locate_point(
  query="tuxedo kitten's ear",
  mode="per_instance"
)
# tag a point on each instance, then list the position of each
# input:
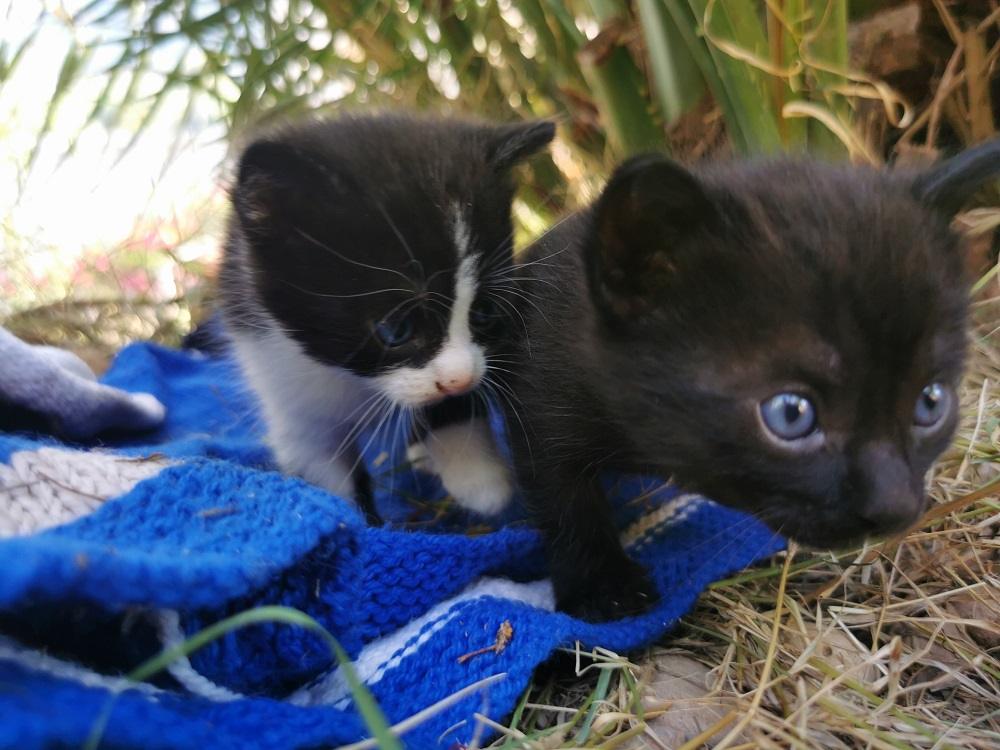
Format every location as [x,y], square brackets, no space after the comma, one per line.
[948,185]
[276,183]
[648,207]
[510,144]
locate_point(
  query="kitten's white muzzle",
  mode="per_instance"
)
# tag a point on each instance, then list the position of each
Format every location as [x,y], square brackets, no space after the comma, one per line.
[454,371]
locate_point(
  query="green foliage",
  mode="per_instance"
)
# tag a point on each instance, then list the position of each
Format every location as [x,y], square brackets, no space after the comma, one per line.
[617,74]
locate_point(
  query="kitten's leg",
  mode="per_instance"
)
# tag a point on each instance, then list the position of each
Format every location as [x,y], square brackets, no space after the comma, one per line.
[305,458]
[314,461]
[594,579]
[458,446]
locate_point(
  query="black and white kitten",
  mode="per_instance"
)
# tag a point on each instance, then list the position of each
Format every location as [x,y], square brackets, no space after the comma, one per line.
[785,337]
[366,273]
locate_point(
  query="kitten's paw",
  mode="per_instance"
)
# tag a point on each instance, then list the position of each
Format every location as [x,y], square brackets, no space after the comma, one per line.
[471,470]
[621,589]
[483,488]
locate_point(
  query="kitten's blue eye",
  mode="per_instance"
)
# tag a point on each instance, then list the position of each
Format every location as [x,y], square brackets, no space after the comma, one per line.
[395,331]
[933,404]
[789,416]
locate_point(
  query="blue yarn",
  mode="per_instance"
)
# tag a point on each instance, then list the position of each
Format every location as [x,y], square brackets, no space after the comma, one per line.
[220,531]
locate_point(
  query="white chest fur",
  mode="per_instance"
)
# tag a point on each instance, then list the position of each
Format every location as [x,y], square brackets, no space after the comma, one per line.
[311,409]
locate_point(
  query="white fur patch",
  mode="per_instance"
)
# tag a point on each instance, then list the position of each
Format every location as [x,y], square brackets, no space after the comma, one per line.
[40,662]
[471,469]
[463,235]
[310,408]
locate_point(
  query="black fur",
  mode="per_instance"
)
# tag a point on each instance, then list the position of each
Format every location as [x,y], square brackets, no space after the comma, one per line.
[667,312]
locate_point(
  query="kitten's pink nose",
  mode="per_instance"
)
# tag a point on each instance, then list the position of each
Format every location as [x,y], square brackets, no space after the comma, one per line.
[455,385]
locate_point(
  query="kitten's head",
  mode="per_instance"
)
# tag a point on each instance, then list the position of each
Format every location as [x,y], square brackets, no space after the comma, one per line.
[787,337]
[382,245]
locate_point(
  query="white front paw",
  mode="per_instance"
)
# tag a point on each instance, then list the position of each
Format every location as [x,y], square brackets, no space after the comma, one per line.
[483,487]
[471,469]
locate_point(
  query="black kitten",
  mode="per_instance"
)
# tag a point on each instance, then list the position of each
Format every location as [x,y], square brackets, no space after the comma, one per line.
[785,337]
[366,274]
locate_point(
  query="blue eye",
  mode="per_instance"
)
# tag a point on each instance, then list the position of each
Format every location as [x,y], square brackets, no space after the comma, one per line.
[789,416]
[394,332]
[933,404]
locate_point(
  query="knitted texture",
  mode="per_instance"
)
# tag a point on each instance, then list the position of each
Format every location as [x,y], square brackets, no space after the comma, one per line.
[118,549]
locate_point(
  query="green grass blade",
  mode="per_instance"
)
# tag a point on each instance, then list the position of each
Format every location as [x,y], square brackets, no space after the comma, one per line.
[740,24]
[600,693]
[370,712]
[687,28]
[784,34]
[677,80]
[618,86]
[827,44]
[7,67]
[73,65]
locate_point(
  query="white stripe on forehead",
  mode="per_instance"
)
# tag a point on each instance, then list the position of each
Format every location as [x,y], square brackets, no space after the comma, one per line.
[465,292]
[463,235]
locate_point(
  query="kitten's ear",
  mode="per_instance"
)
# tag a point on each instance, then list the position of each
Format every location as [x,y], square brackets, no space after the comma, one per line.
[509,144]
[948,185]
[648,207]
[275,184]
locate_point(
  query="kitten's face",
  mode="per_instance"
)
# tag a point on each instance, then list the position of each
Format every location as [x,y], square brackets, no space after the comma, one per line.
[801,335]
[383,246]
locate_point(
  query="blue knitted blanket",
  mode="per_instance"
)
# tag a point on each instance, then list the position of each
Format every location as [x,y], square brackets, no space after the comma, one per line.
[119,546]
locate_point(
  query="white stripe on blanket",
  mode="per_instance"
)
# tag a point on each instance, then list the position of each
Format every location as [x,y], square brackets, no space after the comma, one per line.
[381,655]
[52,486]
[388,652]
[39,662]
[643,531]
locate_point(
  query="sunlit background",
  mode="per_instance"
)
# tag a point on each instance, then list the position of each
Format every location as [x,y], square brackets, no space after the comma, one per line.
[117,116]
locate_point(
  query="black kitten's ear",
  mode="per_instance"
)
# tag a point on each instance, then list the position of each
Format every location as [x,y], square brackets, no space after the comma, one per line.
[648,207]
[948,185]
[275,184]
[510,144]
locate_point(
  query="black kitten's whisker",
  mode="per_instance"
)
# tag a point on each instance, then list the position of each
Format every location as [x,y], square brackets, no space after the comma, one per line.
[346,296]
[524,323]
[490,386]
[538,261]
[400,237]
[531,302]
[376,433]
[531,278]
[501,254]
[364,403]
[351,261]
[347,441]
[492,366]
